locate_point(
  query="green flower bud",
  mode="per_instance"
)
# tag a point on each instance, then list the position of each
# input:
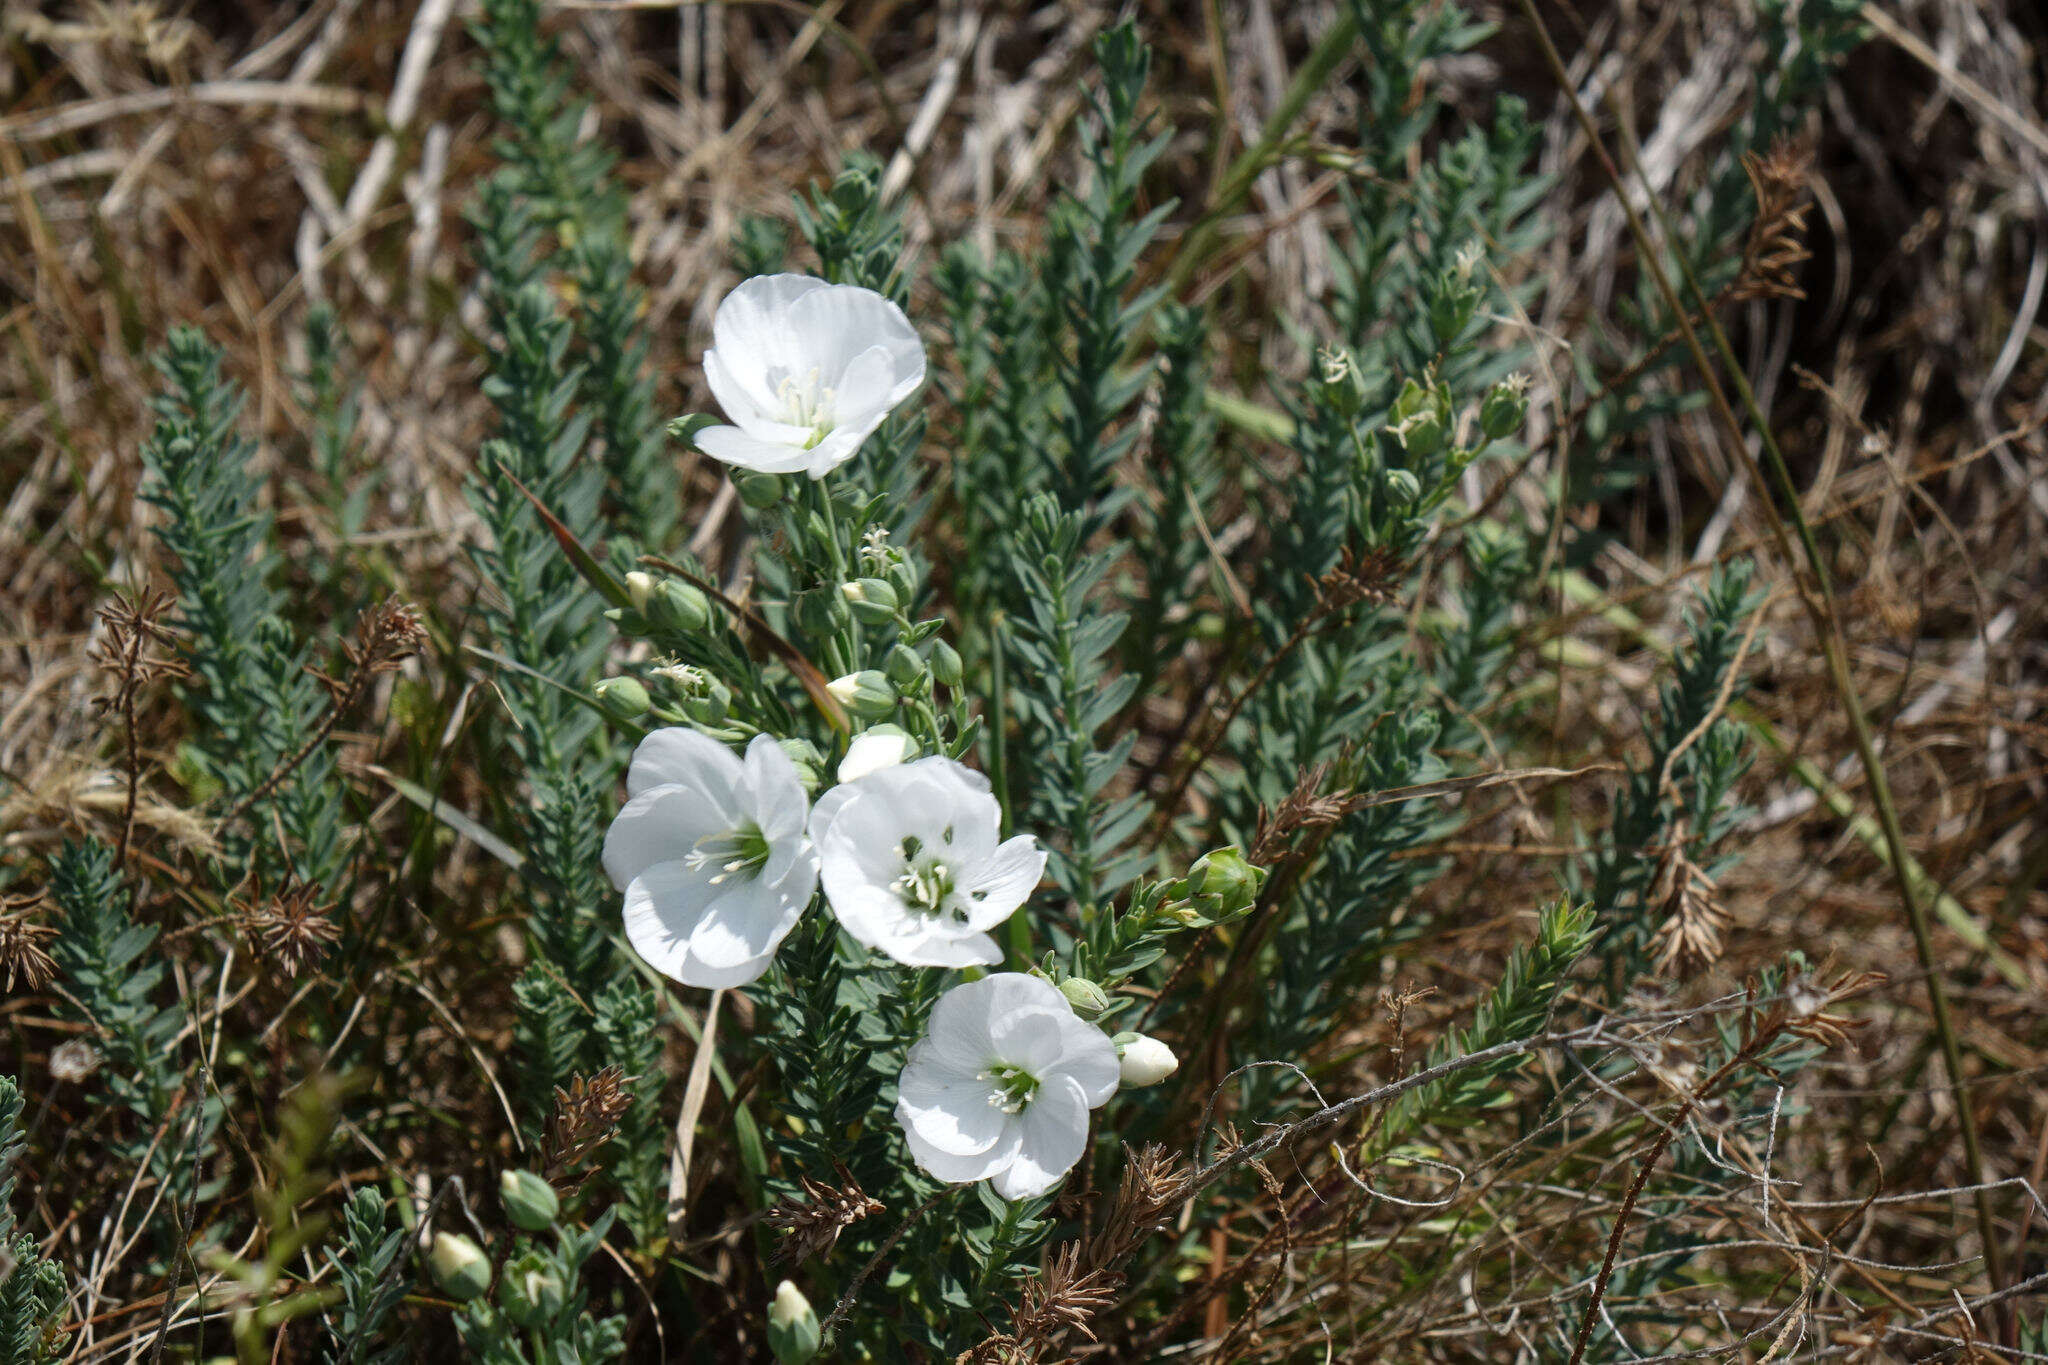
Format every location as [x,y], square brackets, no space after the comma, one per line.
[1403,486]
[872,600]
[946,665]
[1088,999]
[793,1333]
[531,1291]
[759,490]
[1227,881]
[905,666]
[804,756]
[459,1265]
[681,607]
[529,1201]
[1505,406]
[866,693]
[622,695]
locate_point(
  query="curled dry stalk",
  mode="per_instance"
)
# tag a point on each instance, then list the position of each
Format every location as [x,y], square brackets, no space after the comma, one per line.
[387,635]
[1802,1013]
[132,652]
[1816,593]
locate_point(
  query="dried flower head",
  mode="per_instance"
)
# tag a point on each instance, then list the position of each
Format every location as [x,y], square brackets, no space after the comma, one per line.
[586,1115]
[1808,1010]
[1358,578]
[1775,248]
[1690,939]
[386,636]
[810,1223]
[21,944]
[132,647]
[291,927]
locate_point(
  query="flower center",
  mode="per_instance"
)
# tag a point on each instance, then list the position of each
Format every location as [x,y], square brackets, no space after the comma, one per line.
[1014,1087]
[807,402]
[740,852]
[926,884]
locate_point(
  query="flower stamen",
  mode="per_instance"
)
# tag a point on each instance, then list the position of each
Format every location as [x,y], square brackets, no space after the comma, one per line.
[741,852]
[1014,1087]
[808,403]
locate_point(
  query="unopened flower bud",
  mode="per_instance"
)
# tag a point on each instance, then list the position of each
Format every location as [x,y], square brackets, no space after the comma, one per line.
[1505,405]
[905,665]
[1143,1060]
[529,1201]
[1402,486]
[531,1291]
[622,695]
[1224,877]
[872,600]
[946,665]
[459,1265]
[760,490]
[680,607]
[866,693]
[882,747]
[793,1333]
[1088,999]
[640,588]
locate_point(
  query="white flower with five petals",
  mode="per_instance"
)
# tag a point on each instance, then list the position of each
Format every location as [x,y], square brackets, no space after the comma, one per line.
[1000,1086]
[805,370]
[911,862]
[713,856]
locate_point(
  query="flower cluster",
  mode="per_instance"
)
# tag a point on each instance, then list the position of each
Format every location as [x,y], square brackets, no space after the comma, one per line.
[719,857]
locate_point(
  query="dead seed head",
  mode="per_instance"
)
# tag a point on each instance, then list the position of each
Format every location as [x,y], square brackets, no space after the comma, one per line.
[21,944]
[586,1115]
[810,1223]
[292,928]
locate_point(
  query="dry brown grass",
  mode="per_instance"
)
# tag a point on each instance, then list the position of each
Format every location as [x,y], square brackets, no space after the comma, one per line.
[225,166]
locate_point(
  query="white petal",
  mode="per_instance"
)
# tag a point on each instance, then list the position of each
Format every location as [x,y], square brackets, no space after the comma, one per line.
[663,905]
[680,755]
[698,973]
[944,950]
[838,323]
[748,921]
[996,886]
[744,403]
[961,1170]
[753,332]
[656,826]
[874,750]
[1089,1058]
[862,396]
[732,446]
[771,791]
[955,1112]
[841,444]
[828,806]
[1055,1134]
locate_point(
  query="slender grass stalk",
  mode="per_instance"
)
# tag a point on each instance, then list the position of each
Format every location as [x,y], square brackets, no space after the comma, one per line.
[1819,601]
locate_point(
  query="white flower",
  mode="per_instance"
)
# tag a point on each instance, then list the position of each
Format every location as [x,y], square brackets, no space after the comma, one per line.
[872,750]
[911,865]
[1145,1061]
[712,855]
[805,370]
[1000,1086]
